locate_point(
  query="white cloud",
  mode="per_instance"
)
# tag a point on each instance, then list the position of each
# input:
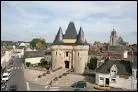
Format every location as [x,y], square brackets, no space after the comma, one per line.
[45,17]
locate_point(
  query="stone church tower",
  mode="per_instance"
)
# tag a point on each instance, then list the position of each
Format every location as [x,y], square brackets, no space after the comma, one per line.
[70,50]
[113,38]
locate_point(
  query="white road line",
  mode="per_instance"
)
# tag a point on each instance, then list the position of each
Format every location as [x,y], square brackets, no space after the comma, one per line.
[12,68]
[15,67]
[28,88]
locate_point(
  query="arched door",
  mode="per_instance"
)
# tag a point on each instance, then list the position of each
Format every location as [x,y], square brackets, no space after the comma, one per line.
[66,64]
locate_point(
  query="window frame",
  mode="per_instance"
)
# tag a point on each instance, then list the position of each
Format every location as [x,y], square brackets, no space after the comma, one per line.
[101,78]
[67,54]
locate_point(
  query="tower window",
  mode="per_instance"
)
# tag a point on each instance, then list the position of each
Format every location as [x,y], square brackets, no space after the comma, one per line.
[67,54]
[56,53]
[78,53]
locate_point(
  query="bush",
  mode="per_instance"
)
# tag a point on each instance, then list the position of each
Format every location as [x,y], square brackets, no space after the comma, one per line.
[28,64]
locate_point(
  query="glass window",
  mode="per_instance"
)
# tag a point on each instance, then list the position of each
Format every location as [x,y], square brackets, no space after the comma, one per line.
[113,80]
[101,78]
[66,54]
[78,53]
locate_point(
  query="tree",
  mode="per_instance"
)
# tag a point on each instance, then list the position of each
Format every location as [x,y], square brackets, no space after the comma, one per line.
[38,44]
[93,63]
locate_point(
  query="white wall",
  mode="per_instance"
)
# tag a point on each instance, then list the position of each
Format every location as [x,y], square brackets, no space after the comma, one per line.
[35,60]
[120,82]
[6,57]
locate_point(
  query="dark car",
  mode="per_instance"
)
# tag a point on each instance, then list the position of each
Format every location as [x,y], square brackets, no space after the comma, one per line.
[4,87]
[13,88]
[79,86]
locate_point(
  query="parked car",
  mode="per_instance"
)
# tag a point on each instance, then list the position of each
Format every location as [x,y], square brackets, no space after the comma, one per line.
[5,76]
[13,88]
[9,69]
[4,87]
[79,86]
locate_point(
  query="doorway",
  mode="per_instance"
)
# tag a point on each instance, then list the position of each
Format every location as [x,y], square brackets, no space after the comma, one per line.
[66,64]
[107,81]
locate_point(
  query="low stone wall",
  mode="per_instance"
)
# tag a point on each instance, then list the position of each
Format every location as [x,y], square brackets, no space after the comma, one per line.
[36,68]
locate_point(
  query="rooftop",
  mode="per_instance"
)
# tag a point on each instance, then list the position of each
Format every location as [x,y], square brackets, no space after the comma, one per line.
[123,67]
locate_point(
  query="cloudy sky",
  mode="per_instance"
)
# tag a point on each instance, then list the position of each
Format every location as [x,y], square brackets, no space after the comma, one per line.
[24,20]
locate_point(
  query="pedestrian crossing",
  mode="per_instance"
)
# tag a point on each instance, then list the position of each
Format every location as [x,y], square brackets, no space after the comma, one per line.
[14,68]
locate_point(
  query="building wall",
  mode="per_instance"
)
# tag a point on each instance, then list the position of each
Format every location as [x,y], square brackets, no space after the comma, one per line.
[69,40]
[134,79]
[6,57]
[35,60]
[59,56]
[120,82]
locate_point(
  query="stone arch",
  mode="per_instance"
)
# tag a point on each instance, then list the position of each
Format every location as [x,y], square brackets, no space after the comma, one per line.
[66,64]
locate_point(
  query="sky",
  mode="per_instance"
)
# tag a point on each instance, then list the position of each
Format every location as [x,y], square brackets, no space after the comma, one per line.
[25,20]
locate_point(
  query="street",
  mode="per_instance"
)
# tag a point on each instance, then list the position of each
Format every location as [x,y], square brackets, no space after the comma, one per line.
[17,75]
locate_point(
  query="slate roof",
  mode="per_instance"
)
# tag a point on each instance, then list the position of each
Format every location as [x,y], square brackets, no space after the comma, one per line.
[33,54]
[59,37]
[81,38]
[47,53]
[71,32]
[123,67]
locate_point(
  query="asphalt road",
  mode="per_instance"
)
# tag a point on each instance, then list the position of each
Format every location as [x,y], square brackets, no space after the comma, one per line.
[17,75]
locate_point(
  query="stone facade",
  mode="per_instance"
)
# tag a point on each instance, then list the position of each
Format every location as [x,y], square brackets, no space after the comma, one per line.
[70,51]
[77,57]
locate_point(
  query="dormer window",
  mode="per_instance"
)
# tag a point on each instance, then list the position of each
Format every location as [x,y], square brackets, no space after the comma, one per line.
[113,71]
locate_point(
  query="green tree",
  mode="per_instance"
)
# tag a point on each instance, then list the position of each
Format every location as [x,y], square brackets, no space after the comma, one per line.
[38,44]
[93,63]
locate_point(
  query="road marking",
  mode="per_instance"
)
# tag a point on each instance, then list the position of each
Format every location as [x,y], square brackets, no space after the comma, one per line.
[28,88]
[12,68]
[15,67]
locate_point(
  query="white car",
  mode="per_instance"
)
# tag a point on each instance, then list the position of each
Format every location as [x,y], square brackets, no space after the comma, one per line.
[9,70]
[5,76]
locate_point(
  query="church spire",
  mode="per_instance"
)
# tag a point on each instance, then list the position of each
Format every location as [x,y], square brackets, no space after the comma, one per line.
[59,37]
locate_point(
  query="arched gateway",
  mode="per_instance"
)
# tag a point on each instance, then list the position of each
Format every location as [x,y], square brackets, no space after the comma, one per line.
[66,64]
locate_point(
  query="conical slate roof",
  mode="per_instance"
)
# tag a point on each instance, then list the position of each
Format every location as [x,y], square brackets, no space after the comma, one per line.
[81,37]
[71,32]
[59,37]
